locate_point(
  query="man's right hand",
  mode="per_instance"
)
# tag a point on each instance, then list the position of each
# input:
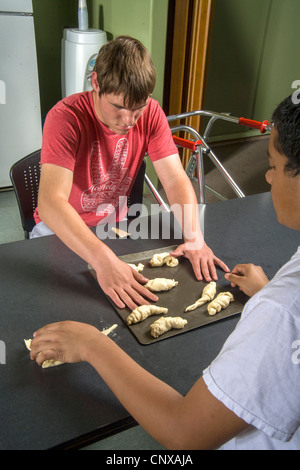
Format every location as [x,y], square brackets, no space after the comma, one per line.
[123,284]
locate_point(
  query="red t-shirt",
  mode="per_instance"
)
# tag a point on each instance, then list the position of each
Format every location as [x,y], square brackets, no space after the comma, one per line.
[104,164]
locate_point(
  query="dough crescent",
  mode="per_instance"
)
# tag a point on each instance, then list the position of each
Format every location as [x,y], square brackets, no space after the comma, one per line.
[144,311]
[164,324]
[208,294]
[52,362]
[138,267]
[107,331]
[220,302]
[160,283]
[163,258]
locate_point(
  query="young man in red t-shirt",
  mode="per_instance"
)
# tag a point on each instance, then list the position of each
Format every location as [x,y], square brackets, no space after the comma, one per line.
[93,145]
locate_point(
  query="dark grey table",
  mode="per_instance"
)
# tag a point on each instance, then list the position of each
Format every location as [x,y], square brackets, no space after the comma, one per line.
[41,281]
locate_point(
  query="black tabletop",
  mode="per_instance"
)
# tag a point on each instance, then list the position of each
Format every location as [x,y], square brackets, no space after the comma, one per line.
[42,281]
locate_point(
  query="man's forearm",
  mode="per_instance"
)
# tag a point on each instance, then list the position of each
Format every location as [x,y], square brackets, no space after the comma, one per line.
[117,279]
[183,204]
[67,224]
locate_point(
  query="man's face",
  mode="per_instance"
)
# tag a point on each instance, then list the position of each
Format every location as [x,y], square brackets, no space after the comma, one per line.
[285,188]
[112,113]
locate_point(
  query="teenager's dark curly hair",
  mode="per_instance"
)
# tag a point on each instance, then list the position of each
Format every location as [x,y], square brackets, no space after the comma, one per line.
[286,119]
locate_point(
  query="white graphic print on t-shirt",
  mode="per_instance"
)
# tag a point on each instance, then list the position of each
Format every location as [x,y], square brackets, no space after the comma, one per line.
[107,185]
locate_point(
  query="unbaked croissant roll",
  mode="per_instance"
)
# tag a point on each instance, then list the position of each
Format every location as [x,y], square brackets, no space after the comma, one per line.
[164,324]
[163,258]
[220,302]
[138,267]
[144,311]
[208,294]
[160,283]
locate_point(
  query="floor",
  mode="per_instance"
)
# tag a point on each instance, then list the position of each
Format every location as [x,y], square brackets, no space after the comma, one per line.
[10,222]
[245,161]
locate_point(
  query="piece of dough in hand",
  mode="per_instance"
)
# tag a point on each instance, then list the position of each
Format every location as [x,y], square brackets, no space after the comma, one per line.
[208,294]
[144,311]
[164,324]
[48,362]
[160,283]
[220,302]
[163,258]
[53,362]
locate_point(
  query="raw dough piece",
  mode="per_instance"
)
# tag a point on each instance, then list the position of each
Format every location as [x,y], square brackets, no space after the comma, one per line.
[160,283]
[164,324]
[163,258]
[221,301]
[120,233]
[53,362]
[48,362]
[138,267]
[109,330]
[208,294]
[144,311]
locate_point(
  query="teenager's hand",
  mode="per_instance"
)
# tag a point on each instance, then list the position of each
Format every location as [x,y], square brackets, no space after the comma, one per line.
[64,341]
[248,277]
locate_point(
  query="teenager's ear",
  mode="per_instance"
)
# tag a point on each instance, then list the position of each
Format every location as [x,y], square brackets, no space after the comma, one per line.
[94,82]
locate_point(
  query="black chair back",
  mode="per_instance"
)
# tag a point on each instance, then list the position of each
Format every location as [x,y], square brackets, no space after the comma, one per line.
[25,178]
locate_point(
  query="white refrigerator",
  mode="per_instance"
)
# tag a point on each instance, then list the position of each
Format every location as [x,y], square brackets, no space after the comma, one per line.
[20,112]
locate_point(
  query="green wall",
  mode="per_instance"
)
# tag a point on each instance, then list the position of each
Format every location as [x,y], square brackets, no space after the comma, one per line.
[50,18]
[280,64]
[254,60]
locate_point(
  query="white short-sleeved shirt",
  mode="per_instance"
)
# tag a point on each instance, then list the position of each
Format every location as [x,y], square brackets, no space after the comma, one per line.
[257,373]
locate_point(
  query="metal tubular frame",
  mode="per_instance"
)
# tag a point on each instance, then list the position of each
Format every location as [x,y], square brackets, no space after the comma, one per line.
[199,148]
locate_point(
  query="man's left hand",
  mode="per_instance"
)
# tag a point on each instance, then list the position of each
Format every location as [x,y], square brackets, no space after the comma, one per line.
[203,261]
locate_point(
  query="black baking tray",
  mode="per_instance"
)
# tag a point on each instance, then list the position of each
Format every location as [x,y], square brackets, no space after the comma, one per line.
[177,299]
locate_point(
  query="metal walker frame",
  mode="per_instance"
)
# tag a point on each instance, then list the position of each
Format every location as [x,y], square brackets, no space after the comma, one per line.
[199,148]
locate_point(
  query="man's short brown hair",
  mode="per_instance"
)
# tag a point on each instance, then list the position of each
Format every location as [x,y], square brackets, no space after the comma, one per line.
[124,66]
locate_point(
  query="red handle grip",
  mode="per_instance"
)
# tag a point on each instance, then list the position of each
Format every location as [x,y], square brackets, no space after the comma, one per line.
[188,144]
[262,126]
